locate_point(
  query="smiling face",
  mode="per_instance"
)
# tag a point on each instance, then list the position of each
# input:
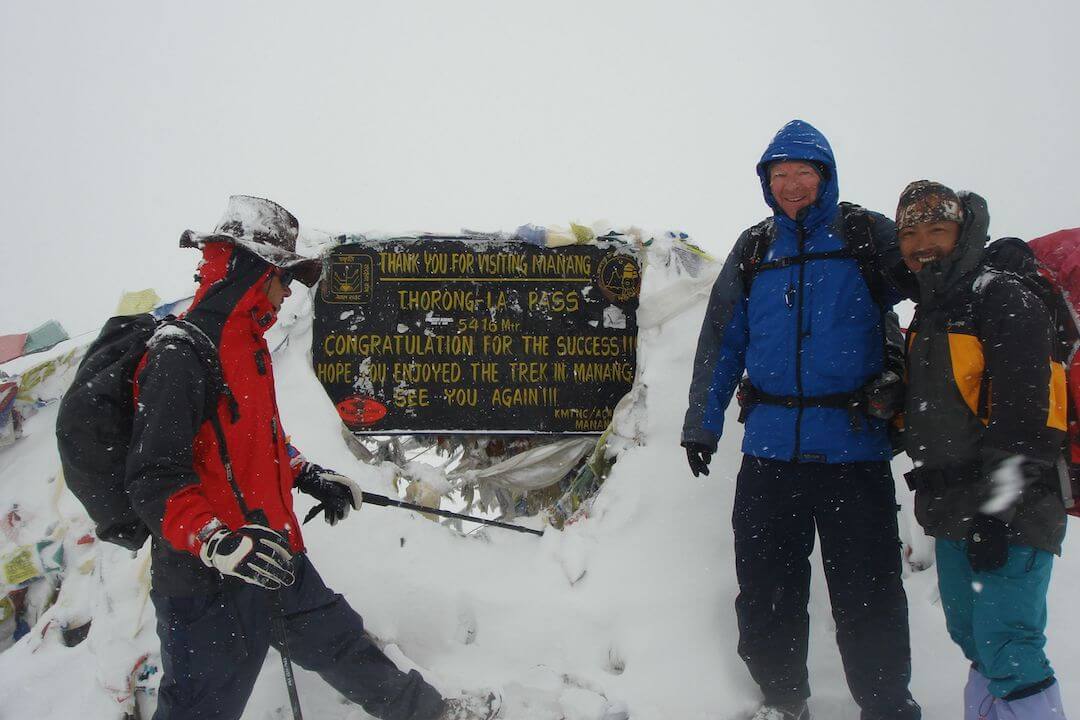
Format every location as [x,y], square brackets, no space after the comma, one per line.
[794,184]
[924,243]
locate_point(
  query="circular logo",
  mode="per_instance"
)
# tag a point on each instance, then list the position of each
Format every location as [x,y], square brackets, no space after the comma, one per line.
[619,277]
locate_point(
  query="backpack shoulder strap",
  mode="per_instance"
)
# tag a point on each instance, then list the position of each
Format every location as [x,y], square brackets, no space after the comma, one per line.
[207,353]
[757,245]
[856,227]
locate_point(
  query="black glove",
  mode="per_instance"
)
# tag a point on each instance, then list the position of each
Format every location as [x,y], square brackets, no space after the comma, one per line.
[987,543]
[336,493]
[883,396]
[698,455]
[256,554]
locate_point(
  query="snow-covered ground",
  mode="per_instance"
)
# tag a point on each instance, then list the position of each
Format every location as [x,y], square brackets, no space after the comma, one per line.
[634,603]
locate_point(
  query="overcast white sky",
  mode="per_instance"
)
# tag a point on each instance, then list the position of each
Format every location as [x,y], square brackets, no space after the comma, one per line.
[123,123]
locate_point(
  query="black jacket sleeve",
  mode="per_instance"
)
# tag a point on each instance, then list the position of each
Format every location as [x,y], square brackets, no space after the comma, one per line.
[168,413]
[1014,327]
[899,280]
[727,293]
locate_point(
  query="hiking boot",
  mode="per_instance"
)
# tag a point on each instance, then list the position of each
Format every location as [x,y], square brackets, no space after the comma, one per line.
[471,706]
[793,711]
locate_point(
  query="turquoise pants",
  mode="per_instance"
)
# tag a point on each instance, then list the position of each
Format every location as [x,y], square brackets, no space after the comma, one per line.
[998,618]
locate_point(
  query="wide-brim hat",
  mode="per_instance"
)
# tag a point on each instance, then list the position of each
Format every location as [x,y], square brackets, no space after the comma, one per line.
[264,228]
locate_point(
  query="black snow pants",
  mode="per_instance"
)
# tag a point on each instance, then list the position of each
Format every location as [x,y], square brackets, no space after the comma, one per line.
[853,507]
[212,647]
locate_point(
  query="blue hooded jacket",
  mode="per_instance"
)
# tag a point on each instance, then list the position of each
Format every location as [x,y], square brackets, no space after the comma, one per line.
[807,330]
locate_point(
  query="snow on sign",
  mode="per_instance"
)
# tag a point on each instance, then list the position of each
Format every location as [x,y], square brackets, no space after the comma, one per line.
[454,335]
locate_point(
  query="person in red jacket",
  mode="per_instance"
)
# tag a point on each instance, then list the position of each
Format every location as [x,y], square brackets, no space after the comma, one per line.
[211,473]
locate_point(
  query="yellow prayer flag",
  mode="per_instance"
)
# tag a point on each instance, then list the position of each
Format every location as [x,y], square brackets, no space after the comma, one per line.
[19,566]
[138,301]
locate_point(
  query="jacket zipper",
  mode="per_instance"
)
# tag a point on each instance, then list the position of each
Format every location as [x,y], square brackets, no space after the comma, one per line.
[260,361]
[798,346]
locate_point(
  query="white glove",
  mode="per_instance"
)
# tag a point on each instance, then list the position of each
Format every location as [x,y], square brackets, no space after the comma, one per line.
[256,554]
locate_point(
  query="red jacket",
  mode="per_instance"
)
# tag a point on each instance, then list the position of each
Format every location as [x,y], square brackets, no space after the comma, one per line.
[176,475]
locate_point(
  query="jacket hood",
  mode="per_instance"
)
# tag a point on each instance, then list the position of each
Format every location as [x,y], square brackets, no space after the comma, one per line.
[230,284]
[938,280]
[799,140]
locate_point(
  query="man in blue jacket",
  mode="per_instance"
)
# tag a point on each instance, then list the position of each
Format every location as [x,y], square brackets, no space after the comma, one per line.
[799,308]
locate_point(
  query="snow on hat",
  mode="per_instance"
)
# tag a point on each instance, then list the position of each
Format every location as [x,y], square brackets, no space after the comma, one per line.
[266,229]
[926,201]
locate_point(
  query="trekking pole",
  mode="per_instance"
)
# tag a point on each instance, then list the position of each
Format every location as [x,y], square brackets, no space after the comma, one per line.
[258,516]
[286,659]
[382,500]
[277,615]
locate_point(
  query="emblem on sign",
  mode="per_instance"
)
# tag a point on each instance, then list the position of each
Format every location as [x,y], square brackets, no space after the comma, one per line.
[618,277]
[350,279]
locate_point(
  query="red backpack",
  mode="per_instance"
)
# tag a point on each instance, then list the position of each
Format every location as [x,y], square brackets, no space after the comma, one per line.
[1058,258]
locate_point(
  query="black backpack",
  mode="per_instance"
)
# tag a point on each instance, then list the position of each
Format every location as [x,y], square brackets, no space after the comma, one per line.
[93,427]
[1014,257]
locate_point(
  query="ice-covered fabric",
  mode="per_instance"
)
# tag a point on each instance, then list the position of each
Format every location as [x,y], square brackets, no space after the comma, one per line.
[536,468]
